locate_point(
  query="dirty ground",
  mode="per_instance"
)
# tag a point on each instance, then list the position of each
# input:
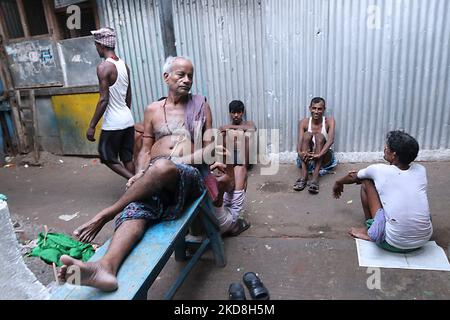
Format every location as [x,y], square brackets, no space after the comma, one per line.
[297,243]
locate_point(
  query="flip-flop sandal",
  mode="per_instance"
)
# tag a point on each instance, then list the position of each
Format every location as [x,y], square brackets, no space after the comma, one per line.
[236,292]
[242,225]
[255,286]
[300,184]
[313,188]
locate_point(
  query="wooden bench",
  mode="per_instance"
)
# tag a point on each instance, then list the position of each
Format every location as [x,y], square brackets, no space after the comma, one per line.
[149,256]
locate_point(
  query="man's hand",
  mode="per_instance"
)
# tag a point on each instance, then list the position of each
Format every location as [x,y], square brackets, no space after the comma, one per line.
[304,156]
[90,133]
[219,166]
[313,156]
[223,129]
[134,178]
[338,188]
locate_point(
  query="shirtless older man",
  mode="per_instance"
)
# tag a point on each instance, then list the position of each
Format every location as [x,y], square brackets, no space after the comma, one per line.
[169,175]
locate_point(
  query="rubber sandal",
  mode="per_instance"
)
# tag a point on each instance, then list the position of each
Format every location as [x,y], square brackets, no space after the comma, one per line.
[236,292]
[313,188]
[255,286]
[242,225]
[300,184]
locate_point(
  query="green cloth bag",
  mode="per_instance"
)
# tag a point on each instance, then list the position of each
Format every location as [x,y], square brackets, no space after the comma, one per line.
[51,247]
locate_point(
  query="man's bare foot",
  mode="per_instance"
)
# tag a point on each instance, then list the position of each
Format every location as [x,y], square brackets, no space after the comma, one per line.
[92,274]
[88,231]
[360,233]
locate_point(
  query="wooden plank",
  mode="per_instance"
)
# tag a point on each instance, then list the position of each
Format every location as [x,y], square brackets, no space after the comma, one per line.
[57,91]
[167,28]
[52,24]
[35,127]
[3,29]
[21,134]
[4,65]
[142,265]
[13,102]
[23,18]
[95,10]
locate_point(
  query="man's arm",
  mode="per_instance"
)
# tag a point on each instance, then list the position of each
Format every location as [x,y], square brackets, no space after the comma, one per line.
[330,139]
[103,78]
[350,178]
[247,126]
[301,131]
[128,97]
[148,139]
[198,156]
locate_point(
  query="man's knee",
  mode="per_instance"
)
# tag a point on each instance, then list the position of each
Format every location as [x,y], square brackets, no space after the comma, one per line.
[307,136]
[320,139]
[226,183]
[164,169]
[134,227]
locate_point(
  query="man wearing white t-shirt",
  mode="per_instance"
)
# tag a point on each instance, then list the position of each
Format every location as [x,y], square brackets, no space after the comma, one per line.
[117,136]
[394,197]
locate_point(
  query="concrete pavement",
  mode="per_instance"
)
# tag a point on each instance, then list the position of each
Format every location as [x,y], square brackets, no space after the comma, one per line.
[298,242]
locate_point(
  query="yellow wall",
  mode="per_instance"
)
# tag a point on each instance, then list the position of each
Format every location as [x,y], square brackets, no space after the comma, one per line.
[73,113]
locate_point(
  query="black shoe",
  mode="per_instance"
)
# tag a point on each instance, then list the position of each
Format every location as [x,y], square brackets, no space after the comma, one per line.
[236,292]
[256,288]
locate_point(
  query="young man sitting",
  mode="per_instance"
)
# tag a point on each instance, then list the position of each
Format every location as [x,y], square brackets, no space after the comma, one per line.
[237,137]
[315,137]
[394,197]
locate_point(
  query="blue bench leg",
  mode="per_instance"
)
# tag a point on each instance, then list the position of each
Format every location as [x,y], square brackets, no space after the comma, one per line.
[180,250]
[213,233]
[184,273]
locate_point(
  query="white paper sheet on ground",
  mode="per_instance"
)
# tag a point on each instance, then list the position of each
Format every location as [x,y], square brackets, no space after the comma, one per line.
[429,257]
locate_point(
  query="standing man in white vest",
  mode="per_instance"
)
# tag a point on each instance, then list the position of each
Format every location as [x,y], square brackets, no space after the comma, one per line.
[117,137]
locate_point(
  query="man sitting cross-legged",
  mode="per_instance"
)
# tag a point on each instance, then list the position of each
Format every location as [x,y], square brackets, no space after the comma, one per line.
[167,178]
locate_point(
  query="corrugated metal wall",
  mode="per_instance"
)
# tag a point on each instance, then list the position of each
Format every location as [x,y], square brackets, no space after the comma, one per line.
[391,73]
[380,64]
[139,43]
[224,40]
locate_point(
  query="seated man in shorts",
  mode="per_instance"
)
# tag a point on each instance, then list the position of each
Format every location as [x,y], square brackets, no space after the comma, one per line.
[237,135]
[315,138]
[394,197]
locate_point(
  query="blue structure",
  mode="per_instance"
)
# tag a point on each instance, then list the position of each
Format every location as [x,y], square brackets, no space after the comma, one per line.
[6,126]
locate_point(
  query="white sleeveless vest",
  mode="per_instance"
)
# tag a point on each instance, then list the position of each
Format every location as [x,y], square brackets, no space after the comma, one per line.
[117,115]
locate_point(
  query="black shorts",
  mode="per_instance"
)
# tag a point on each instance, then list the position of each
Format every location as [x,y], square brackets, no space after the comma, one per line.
[115,144]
